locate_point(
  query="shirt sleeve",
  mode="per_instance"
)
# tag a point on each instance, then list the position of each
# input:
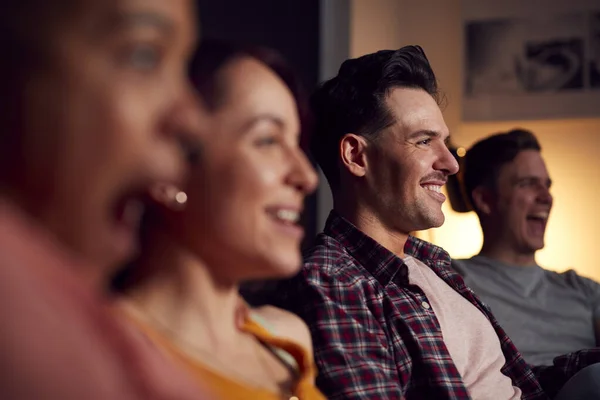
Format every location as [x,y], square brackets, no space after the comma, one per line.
[552,378]
[351,346]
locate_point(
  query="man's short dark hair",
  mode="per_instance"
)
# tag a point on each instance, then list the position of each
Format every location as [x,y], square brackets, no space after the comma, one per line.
[355,100]
[486,157]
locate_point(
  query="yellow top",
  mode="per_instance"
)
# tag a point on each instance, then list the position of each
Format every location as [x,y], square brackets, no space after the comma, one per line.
[227,388]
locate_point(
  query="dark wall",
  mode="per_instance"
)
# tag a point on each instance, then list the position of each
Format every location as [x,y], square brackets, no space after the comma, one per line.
[288,26]
[291,27]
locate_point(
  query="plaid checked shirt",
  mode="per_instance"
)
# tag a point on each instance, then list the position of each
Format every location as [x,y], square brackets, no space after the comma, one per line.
[372,337]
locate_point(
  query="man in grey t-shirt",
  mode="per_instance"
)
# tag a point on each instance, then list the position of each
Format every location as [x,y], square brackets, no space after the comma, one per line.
[545,313]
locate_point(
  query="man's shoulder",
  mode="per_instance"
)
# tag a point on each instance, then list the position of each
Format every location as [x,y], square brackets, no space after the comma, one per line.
[472,261]
[571,278]
[328,264]
[329,275]
[328,255]
[464,266]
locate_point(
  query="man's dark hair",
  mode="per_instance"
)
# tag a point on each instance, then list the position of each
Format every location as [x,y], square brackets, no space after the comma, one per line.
[355,100]
[485,158]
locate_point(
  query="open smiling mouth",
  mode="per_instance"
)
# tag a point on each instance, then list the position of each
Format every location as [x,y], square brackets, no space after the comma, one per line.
[435,191]
[537,221]
[128,211]
[125,219]
[287,216]
[288,220]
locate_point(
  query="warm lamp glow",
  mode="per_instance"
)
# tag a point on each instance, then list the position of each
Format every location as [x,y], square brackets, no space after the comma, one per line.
[460,235]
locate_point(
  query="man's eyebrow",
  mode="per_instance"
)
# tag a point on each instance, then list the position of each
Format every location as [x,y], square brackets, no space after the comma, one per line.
[424,132]
[144,19]
[429,134]
[524,178]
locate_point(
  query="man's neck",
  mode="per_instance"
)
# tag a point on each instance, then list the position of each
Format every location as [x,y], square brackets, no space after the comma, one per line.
[371,225]
[506,255]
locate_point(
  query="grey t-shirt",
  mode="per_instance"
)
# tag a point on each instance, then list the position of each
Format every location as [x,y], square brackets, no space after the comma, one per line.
[545,313]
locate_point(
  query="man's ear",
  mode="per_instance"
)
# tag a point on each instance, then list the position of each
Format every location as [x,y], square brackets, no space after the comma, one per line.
[483,199]
[353,154]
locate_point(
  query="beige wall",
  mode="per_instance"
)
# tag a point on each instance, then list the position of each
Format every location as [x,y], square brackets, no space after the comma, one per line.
[571,147]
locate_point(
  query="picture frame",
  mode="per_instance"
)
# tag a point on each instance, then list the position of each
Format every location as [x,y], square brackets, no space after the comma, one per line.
[531,60]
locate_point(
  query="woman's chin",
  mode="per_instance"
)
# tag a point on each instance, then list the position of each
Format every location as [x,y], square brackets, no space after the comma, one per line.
[282,267]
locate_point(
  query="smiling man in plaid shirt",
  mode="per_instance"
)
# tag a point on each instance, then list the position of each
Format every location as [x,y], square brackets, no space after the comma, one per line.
[389,317]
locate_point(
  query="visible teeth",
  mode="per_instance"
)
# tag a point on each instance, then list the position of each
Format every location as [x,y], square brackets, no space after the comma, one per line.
[433,188]
[288,215]
[541,215]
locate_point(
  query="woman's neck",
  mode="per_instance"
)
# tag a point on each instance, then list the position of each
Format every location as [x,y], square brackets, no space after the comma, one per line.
[185,298]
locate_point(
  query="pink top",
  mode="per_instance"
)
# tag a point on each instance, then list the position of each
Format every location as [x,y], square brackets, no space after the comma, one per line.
[60,339]
[468,335]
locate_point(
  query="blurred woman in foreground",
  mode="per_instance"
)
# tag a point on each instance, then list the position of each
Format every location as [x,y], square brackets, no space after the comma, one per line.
[93,109]
[237,219]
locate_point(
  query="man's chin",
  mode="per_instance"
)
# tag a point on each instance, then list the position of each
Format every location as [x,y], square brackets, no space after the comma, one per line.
[536,246]
[436,220]
[430,222]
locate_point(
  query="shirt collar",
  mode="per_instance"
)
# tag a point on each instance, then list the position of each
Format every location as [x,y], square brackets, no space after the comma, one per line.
[384,265]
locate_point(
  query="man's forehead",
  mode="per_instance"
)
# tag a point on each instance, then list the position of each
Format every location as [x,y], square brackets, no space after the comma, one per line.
[530,159]
[527,164]
[416,110]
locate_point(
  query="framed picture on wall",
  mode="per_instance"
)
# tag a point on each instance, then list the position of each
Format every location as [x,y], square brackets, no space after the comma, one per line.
[531,59]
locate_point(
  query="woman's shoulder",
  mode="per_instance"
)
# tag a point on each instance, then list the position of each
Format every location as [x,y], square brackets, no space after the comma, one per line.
[286,325]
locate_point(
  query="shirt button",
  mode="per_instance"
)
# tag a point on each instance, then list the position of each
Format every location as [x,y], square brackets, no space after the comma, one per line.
[425,305]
